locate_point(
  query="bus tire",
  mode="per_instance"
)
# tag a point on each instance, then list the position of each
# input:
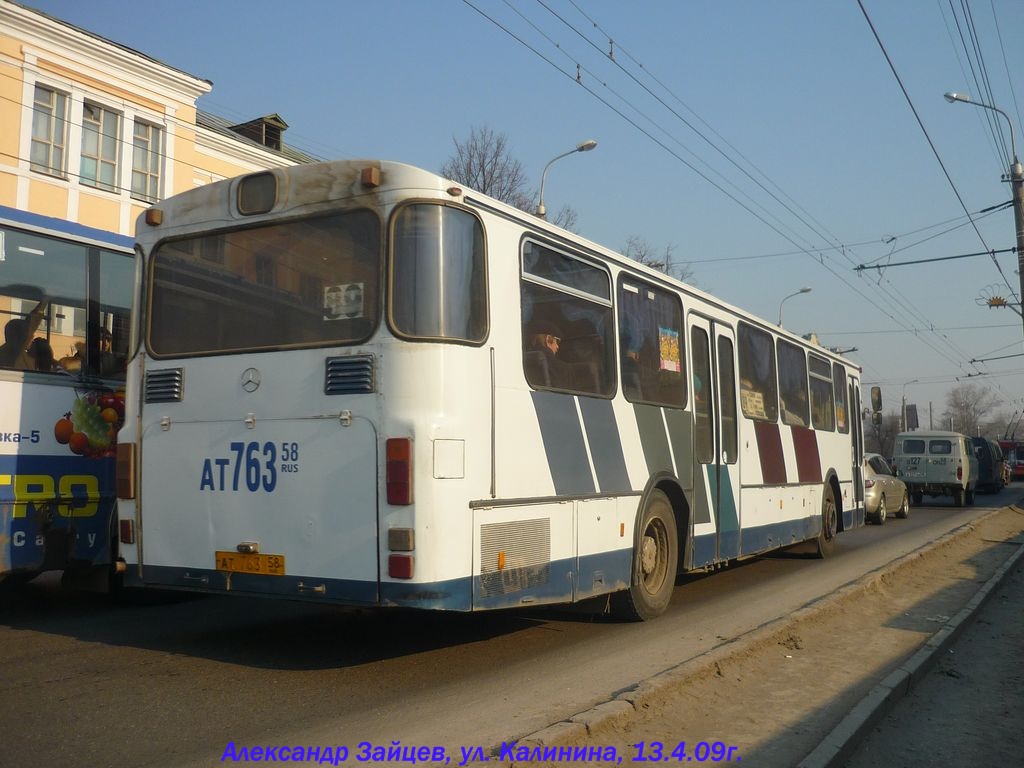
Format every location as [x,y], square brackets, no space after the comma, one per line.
[958,497]
[655,558]
[826,541]
[969,496]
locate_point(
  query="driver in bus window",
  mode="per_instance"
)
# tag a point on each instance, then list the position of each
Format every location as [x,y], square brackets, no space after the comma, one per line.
[18,334]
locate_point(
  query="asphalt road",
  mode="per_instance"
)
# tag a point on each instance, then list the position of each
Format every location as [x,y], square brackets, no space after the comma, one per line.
[171,680]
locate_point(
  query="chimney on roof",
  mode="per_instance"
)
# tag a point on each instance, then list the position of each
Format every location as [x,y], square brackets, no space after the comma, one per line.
[264,130]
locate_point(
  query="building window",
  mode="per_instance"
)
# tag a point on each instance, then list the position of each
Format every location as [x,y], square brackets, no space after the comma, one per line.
[146,163]
[99,147]
[49,131]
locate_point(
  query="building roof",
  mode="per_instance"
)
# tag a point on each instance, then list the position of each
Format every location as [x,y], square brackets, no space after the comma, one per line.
[224,127]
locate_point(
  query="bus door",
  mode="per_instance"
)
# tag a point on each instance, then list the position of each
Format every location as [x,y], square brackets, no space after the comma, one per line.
[715,446]
[857,441]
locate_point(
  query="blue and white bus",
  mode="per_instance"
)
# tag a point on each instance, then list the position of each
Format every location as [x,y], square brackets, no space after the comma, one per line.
[65,297]
[360,382]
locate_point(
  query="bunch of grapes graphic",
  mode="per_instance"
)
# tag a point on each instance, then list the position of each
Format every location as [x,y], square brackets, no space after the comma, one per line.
[90,427]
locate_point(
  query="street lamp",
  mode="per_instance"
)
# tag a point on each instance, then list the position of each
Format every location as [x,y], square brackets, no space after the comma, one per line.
[903,405]
[583,146]
[802,290]
[1016,182]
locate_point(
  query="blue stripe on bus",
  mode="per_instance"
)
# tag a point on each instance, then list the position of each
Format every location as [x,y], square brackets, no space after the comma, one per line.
[604,572]
[605,444]
[768,537]
[346,591]
[653,438]
[728,520]
[562,435]
[62,226]
[680,434]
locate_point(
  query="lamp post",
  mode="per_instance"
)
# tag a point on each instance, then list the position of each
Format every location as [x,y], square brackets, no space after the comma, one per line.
[802,290]
[583,146]
[1016,182]
[903,405]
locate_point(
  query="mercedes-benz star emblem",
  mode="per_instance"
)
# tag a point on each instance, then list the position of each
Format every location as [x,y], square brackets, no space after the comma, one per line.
[250,379]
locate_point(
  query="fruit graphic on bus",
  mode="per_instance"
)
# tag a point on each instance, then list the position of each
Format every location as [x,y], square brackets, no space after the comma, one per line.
[90,427]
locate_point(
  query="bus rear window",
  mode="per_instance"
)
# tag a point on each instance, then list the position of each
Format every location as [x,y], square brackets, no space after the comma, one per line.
[308,282]
[438,274]
[940,447]
[913,447]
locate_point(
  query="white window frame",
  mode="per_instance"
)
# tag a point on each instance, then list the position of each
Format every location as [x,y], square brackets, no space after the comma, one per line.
[149,152]
[58,130]
[100,157]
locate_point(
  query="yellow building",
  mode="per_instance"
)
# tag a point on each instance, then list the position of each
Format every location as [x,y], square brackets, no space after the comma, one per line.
[92,133]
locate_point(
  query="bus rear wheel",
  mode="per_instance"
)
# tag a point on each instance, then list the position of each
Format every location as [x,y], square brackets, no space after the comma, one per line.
[655,558]
[826,541]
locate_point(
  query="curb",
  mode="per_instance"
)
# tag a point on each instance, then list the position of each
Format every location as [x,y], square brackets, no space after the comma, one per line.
[839,745]
[839,742]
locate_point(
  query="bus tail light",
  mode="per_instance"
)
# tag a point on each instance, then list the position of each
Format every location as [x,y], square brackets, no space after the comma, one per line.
[400,566]
[126,470]
[127,531]
[960,472]
[399,470]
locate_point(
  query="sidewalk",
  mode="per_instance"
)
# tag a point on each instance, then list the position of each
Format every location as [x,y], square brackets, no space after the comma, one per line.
[802,691]
[969,708]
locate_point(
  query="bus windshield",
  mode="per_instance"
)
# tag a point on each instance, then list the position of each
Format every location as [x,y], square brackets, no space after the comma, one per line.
[305,282]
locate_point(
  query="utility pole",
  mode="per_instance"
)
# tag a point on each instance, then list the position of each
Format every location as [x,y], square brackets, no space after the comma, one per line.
[1016,184]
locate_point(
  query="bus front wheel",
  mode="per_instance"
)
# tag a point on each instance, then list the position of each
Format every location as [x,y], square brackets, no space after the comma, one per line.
[655,558]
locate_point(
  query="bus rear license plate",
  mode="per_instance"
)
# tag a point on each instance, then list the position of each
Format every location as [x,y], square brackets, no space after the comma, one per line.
[235,562]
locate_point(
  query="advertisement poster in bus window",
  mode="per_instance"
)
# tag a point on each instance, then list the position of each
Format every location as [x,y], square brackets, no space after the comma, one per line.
[343,301]
[668,342]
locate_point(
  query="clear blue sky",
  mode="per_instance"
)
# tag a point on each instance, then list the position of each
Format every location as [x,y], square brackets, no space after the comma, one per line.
[796,93]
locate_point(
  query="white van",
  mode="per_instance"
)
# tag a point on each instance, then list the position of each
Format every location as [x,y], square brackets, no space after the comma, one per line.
[937,464]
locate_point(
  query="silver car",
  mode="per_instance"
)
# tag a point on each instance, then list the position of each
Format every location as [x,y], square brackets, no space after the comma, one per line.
[883,490]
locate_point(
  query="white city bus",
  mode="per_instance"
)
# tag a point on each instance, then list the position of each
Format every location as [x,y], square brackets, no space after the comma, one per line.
[65,296]
[359,382]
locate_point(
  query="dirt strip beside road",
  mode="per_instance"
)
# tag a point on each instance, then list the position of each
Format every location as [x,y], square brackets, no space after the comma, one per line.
[775,693]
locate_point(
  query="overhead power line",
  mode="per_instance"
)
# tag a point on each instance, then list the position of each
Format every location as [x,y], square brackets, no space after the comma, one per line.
[862,267]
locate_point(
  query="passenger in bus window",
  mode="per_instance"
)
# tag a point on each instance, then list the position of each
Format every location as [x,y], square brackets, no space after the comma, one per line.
[110,365]
[73,363]
[18,335]
[42,355]
[544,368]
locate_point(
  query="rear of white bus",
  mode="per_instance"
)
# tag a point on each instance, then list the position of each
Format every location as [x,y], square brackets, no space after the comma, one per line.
[275,418]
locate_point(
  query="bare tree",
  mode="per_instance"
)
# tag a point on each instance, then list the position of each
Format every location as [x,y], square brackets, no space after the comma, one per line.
[483,161]
[967,405]
[640,249]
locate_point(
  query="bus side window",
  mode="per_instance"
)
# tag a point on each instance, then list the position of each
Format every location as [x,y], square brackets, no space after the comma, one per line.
[651,350]
[570,328]
[758,393]
[793,384]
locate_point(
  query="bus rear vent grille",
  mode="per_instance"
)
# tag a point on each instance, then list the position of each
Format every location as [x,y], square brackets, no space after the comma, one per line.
[514,556]
[352,375]
[164,386]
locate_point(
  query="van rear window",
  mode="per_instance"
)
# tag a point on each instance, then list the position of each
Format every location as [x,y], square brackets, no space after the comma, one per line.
[940,447]
[913,446]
